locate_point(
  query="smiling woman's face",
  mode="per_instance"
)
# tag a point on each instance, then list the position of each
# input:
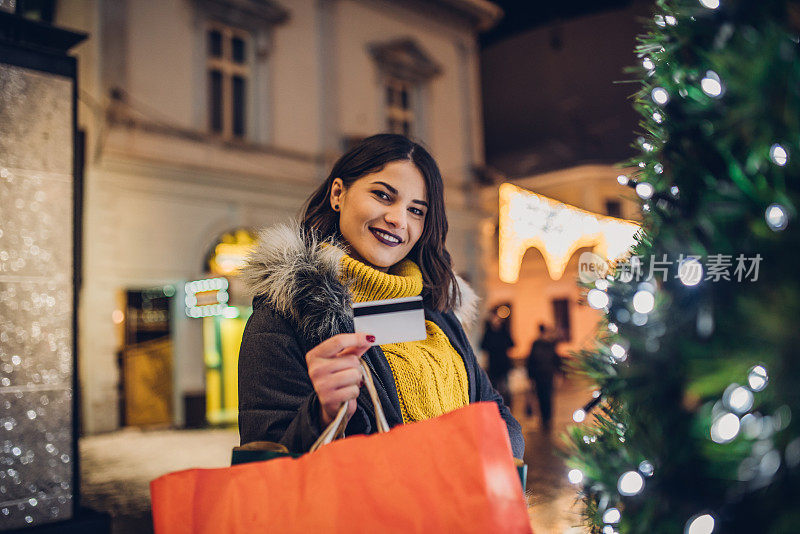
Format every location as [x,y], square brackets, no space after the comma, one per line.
[382,215]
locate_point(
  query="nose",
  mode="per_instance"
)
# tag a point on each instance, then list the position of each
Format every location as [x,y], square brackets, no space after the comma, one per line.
[396,217]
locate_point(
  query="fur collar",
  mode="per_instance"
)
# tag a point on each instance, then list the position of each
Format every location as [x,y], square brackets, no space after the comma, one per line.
[300,279]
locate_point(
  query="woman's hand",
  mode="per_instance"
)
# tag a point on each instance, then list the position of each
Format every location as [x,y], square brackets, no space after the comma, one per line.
[335,372]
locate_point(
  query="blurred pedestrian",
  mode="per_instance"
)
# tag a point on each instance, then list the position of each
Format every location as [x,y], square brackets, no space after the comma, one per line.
[496,342]
[543,363]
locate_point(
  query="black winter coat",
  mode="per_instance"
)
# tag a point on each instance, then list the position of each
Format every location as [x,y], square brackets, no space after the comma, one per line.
[300,302]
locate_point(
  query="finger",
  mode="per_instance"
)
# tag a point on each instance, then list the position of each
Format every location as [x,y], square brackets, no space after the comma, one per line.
[354,351]
[335,344]
[341,379]
[336,398]
[321,367]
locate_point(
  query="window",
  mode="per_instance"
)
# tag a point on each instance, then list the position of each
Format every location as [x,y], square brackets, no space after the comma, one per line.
[399,106]
[228,76]
[561,319]
[613,208]
[406,69]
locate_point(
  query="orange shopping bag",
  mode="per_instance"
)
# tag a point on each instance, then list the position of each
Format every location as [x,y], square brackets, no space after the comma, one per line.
[454,473]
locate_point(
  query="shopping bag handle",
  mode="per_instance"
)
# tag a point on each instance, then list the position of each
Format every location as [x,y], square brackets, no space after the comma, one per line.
[335,430]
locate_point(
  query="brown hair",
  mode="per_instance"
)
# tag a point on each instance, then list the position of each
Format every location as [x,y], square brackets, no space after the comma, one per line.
[440,289]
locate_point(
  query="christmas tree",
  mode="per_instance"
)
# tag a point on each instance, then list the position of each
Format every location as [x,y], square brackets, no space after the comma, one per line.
[695,424]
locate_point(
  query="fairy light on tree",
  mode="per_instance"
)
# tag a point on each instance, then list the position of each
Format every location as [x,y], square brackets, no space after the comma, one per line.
[697,427]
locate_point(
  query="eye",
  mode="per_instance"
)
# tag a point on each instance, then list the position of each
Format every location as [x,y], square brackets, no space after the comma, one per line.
[416,211]
[381,194]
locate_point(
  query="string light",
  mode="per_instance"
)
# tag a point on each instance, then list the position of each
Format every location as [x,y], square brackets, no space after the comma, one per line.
[725,428]
[630,483]
[710,4]
[613,327]
[690,271]
[658,168]
[619,352]
[575,476]
[643,301]
[578,416]
[645,190]
[622,179]
[658,117]
[648,63]
[711,84]
[611,515]
[597,299]
[701,524]
[601,284]
[757,378]
[660,96]
[646,468]
[672,21]
[674,191]
[778,155]
[738,398]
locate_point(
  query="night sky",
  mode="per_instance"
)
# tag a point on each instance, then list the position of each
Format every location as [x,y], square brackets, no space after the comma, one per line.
[554,87]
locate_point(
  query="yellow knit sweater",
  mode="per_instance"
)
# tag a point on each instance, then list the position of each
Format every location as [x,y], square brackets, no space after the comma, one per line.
[429,374]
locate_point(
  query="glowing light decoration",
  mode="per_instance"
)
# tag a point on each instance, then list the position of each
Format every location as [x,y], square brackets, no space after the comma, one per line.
[619,352]
[643,301]
[778,155]
[630,483]
[645,190]
[757,378]
[557,230]
[710,4]
[597,299]
[579,416]
[725,428]
[205,298]
[646,468]
[712,85]
[660,96]
[575,476]
[701,524]
[611,515]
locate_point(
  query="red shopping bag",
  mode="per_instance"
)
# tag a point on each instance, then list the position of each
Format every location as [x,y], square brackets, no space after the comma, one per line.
[454,473]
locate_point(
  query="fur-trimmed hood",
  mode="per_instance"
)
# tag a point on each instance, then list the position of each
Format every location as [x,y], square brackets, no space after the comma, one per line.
[300,278]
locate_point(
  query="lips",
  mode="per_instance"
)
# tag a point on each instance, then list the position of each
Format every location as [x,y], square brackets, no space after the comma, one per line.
[387,238]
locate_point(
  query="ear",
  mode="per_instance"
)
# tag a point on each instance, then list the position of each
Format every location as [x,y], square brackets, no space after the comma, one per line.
[337,192]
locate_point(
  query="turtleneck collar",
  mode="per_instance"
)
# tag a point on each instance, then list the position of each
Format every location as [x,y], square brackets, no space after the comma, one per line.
[367,283]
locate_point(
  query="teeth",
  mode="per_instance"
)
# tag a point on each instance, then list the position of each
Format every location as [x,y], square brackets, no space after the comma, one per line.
[387,237]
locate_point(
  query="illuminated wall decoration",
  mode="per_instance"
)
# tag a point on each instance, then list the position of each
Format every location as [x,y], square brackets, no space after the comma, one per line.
[209,297]
[556,229]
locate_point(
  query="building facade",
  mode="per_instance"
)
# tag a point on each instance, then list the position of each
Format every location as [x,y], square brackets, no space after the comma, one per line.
[201,117]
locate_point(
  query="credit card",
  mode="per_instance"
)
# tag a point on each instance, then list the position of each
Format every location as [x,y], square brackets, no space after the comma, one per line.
[391,320]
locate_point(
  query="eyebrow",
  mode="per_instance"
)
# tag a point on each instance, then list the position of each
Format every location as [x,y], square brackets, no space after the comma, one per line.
[393,191]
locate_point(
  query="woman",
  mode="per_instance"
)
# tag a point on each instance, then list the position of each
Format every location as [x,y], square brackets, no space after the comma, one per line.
[375,229]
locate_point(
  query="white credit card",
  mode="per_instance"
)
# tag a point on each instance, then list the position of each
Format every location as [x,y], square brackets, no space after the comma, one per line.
[391,320]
